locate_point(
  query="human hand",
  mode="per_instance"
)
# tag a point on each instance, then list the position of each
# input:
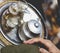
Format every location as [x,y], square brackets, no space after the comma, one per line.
[51,47]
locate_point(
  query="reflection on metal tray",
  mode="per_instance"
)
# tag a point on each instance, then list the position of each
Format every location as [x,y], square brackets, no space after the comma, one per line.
[29,12]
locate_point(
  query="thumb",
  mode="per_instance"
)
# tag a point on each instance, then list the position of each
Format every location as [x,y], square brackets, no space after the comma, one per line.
[42,50]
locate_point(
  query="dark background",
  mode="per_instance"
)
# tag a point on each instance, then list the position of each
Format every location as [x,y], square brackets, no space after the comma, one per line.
[37,4]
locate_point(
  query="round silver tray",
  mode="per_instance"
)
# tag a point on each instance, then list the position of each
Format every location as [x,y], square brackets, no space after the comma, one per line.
[33,13]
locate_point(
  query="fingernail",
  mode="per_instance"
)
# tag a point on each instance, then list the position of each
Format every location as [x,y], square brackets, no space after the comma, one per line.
[41,49]
[24,42]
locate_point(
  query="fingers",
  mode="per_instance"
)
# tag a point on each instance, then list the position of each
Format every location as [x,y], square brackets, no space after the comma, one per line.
[43,50]
[43,41]
[31,41]
[51,47]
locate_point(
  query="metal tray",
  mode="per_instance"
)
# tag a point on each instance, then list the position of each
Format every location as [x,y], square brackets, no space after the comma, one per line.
[32,12]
